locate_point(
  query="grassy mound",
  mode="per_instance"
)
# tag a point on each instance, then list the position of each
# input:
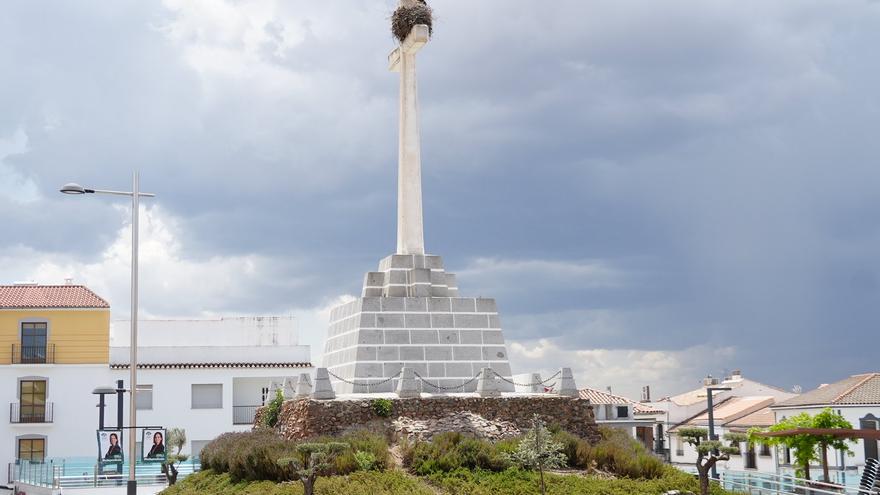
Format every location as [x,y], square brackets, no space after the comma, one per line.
[359,483]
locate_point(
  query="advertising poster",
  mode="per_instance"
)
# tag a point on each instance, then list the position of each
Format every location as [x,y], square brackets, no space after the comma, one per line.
[110,445]
[153,445]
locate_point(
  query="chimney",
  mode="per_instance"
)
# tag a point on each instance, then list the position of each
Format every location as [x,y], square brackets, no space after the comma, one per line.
[710,380]
[68,281]
[608,388]
[646,393]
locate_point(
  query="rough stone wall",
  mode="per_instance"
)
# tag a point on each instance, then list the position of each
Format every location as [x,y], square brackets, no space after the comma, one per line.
[304,418]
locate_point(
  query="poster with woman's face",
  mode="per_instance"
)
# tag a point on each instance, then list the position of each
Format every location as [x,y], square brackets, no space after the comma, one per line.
[153,446]
[110,445]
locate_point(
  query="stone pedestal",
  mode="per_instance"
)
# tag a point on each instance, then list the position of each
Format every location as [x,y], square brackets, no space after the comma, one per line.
[410,314]
[323,388]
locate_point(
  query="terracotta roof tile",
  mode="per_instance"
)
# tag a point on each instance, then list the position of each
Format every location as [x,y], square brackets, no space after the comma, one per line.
[599,397]
[854,390]
[26,296]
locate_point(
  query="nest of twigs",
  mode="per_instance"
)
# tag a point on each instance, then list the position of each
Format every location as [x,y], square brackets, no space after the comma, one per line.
[407,16]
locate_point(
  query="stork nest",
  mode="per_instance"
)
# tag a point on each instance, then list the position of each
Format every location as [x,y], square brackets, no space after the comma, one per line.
[406,17]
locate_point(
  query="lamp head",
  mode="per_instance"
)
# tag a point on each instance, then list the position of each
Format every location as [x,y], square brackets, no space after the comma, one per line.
[73,188]
[104,391]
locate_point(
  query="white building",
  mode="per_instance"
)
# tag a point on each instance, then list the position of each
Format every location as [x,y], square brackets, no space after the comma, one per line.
[643,422]
[857,399]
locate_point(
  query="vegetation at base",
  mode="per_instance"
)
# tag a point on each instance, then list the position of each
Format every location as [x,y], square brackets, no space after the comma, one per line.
[254,455]
[453,451]
[359,483]
[270,418]
[382,407]
[617,453]
[461,482]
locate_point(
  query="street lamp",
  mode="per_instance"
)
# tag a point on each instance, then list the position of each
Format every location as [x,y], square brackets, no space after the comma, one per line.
[135,194]
[709,391]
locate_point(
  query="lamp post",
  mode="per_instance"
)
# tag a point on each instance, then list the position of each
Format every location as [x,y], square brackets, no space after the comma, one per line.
[709,391]
[135,194]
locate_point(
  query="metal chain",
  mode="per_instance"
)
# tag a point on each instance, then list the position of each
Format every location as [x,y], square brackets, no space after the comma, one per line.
[361,384]
[542,382]
[440,387]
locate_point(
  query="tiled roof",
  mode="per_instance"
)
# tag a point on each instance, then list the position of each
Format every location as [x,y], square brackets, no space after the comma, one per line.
[762,418]
[27,296]
[728,411]
[180,366]
[855,390]
[599,397]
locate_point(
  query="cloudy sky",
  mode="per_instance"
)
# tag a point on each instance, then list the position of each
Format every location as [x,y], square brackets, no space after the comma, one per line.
[652,193]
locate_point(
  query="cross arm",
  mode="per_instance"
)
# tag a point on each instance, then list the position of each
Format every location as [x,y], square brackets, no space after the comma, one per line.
[415,40]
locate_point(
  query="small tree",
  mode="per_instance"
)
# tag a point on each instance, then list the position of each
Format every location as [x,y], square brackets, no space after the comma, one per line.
[537,450]
[709,452]
[176,439]
[311,461]
[270,418]
[830,419]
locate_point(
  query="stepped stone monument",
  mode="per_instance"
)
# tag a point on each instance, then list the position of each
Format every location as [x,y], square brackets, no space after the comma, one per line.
[410,312]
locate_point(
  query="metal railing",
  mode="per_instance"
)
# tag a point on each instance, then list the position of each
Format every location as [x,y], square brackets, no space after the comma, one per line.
[33,354]
[244,415]
[780,484]
[27,413]
[68,473]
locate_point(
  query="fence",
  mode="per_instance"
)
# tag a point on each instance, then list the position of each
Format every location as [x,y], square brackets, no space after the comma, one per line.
[755,483]
[83,473]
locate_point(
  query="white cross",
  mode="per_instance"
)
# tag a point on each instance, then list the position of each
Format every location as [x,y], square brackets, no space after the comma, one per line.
[410,235]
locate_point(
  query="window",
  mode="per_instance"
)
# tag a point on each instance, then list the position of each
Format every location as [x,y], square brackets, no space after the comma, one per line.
[209,396]
[622,411]
[679,446]
[765,450]
[197,446]
[750,461]
[870,422]
[33,342]
[32,401]
[32,449]
[144,397]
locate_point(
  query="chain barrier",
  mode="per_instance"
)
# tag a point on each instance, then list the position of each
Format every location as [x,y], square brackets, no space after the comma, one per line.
[361,384]
[542,382]
[440,387]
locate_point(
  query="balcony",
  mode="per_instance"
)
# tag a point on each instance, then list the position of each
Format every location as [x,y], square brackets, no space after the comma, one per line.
[244,415]
[44,413]
[42,354]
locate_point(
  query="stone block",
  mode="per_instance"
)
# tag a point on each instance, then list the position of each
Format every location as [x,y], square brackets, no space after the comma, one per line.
[424,337]
[502,369]
[493,337]
[463,305]
[372,292]
[365,353]
[416,304]
[388,353]
[420,290]
[393,304]
[436,370]
[451,281]
[417,321]
[439,291]
[374,279]
[442,321]
[408,353]
[440,353]
[420,368]
[494,353]
[384,320]
[391,369]
[371,304]
[471,321]
[368,370]
[485,305]
[420,276]
[471,337]
[370,336]
[466,353]
[448,336]
[438,278]
[439,304]
[367,320]
[433,262]
[463,370]
[401,261]
[397,337]
[494,321]
[397,277]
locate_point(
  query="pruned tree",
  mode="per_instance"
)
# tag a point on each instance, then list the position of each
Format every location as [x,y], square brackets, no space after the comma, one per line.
[537,450]
[312,460]
[175,441]
[709,452]
[830,419]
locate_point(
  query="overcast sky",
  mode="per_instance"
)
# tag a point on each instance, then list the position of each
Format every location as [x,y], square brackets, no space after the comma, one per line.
[651,193]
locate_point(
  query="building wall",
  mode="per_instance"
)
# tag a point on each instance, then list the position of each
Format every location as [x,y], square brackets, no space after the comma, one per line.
[80,336]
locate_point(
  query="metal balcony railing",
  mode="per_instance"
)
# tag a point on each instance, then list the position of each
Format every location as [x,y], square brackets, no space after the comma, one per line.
[244,415]
[43,413]
[33,354]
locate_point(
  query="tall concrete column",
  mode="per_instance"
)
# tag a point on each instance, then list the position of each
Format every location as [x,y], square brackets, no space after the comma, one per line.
[410,236]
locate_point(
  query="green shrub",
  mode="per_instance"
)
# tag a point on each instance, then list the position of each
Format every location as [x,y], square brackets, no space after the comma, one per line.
[366,461]
[570,444]
[452,451]
[270,418]
[361,441]
[382,407]
[619,453]
[248,455]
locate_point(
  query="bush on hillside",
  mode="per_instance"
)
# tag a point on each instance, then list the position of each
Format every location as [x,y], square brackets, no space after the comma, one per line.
[619,453]
[452,451]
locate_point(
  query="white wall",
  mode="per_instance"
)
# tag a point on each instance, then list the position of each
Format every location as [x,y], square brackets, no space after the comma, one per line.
[240,331]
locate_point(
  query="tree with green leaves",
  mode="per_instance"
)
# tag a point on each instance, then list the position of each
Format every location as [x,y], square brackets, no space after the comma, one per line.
[175,441]
[709,452]
[538,450]
[273,409]
[312,460]
[829,419]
